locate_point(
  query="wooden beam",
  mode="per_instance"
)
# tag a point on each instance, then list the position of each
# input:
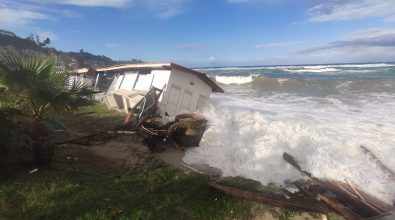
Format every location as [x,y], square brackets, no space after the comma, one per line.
[350,200]
[382,206]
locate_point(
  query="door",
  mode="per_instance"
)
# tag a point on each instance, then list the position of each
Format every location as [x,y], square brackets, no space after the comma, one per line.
[186,102]
[172,101]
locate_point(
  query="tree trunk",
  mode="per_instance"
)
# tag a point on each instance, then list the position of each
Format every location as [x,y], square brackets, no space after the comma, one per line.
[43,148]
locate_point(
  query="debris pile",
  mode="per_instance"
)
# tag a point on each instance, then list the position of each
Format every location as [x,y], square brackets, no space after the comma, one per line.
[343,197]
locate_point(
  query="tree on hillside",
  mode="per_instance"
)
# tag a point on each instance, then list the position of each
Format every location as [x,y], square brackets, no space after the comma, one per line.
[31,38]
[47,41]
[40,89]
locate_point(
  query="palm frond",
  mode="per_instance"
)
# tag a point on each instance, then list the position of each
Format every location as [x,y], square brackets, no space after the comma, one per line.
[43,86]
[18,71]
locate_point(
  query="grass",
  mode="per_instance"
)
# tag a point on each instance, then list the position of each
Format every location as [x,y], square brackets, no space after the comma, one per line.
[157,193]
[89,120]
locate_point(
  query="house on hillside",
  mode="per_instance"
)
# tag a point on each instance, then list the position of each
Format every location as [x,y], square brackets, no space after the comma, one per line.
[123,86]
[81,76]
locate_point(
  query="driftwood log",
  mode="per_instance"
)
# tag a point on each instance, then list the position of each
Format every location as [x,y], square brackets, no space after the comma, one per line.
[252,196]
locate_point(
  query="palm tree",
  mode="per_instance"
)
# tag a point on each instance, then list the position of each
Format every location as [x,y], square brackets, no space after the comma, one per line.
[39,89]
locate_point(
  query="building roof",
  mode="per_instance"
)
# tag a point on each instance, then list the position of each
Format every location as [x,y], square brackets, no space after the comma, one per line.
[83,70]
[166,65]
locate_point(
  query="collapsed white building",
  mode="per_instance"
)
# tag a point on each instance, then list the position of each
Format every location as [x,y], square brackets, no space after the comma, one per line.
[180,89]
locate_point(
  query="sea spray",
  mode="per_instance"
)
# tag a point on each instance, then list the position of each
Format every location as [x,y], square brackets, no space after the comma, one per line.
[319,119]
[251,143]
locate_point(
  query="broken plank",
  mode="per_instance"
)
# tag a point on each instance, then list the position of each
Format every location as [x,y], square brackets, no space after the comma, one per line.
[355,191]
[346,212]
[242,194]
[372,200]
[350,200]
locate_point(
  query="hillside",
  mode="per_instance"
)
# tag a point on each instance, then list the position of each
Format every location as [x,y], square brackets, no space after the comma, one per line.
[12,44]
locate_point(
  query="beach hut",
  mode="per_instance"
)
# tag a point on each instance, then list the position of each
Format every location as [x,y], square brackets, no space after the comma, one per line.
[182,89]
[84,76]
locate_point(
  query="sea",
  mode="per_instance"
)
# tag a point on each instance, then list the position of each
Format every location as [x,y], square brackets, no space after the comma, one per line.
[320,114]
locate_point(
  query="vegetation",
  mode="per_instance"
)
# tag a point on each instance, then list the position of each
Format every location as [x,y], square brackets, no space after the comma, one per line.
[38,89]
[159,193]
[34,46]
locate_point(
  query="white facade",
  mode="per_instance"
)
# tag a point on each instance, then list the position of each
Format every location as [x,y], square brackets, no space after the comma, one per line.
[184,93]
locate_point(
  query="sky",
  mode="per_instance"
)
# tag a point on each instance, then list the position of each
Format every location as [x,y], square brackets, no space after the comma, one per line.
[202,33]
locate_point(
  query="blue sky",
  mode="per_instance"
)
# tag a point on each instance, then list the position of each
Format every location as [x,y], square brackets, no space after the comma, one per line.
[212,32]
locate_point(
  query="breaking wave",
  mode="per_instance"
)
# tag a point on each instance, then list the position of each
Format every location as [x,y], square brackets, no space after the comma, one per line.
[311,87]
[321,114]
[312,69]
[248,137]
[234,79]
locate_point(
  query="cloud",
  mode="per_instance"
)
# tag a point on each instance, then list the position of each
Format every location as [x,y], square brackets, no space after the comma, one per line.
[156,8]
[351,9]
[16,16]
[360,40]
[165,8]
[280,44]
[239,1]
[255,1]
[390,19]
[190,46]
[16,13]
[112,45]
[89,3]
[212,59]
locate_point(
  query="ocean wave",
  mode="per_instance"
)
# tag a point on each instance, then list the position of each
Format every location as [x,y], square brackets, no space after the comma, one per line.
[315,87]
[311,70]
[373,65]
[299,67]
[234,79]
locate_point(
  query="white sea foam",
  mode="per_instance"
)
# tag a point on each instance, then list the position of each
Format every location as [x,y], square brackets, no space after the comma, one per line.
[373,65]
[312,69]
[248,137]
[301,67]
[234,79]
[282,80]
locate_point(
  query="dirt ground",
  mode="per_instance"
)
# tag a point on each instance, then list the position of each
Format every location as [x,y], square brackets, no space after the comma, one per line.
[127,152]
